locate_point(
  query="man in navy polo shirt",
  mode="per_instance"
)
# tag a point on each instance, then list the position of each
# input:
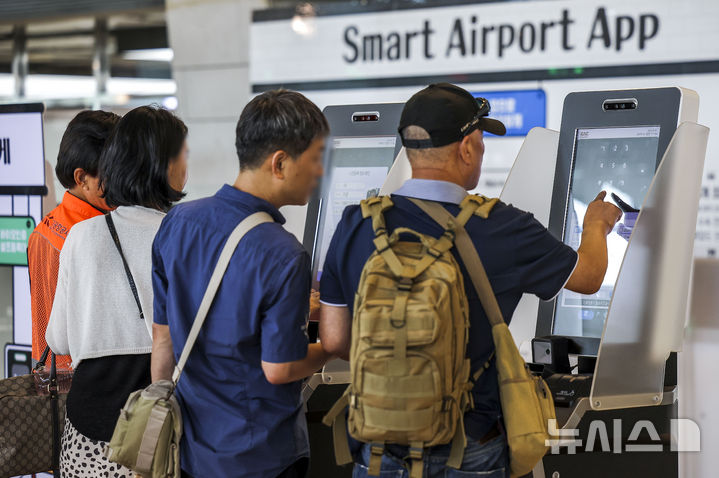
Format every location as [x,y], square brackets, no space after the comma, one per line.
[240,389]
[442,128]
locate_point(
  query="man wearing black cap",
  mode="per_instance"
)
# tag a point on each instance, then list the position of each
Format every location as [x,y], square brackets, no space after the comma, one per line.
[442,128]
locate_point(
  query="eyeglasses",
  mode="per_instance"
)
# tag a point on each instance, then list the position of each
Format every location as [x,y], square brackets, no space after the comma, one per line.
[484,110]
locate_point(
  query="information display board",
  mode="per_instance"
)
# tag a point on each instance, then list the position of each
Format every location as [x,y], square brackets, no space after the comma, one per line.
[22,158]
[22,187]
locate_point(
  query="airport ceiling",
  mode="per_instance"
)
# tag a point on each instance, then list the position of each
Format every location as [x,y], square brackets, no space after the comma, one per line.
[61,35]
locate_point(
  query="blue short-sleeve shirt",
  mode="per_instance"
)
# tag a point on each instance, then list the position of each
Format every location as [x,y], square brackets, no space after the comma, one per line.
[235,422]
[518,253]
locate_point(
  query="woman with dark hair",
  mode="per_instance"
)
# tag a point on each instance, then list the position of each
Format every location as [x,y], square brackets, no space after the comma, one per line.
[106,325]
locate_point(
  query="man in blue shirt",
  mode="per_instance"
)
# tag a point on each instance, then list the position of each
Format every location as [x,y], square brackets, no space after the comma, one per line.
[442,128]
[240,389]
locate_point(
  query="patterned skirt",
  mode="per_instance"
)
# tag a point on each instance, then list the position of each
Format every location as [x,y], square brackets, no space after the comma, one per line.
[82,457]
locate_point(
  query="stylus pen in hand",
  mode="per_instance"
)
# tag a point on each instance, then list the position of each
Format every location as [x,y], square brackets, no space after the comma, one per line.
[623,205]
[625,228]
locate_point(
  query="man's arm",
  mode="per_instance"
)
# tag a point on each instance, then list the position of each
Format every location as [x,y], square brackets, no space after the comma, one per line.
[335,330]
[599,220]
[287,372]
[315,305]
[162,362]
[286,355]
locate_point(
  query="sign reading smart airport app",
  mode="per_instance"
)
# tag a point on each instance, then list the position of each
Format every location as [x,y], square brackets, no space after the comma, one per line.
[520,111]
[22,159]
[14,235]
[487,38]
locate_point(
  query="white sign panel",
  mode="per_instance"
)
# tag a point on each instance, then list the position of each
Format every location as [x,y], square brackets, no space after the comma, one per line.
[483,38]
[22,159]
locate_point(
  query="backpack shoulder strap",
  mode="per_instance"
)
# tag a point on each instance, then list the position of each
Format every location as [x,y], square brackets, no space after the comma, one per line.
[228,250]
[470,206]
[337,419]
[374,208]
[467,251]
[475,205]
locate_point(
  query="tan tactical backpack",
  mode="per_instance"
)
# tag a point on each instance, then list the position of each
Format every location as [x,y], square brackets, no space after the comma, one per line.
[410,375]
[410,380]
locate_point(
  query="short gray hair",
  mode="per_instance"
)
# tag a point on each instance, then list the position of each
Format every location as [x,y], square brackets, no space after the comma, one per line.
[438,154]
[415,132]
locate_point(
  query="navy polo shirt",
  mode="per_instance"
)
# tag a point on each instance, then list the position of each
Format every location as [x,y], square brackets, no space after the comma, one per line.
[235,422]
[518,253]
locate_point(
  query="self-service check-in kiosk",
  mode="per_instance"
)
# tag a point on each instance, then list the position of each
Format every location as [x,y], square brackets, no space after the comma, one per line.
[608,358]
[361,148]
[617,404]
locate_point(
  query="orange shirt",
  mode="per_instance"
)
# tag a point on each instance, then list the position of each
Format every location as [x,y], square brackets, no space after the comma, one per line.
[43,256]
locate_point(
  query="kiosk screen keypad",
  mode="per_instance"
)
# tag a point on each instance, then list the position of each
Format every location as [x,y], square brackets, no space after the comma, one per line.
[618,160]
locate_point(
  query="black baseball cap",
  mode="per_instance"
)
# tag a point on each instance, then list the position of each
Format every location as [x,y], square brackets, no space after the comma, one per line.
[448,113]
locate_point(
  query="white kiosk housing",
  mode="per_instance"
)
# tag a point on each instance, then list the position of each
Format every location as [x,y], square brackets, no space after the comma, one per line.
[651,297]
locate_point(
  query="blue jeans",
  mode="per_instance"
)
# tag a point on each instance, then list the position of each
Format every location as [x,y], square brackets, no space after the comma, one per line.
[488,460]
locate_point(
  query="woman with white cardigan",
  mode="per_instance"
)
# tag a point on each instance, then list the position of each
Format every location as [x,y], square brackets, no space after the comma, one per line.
[102,312]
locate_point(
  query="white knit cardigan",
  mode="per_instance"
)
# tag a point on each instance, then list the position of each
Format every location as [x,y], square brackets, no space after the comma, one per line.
[94,313]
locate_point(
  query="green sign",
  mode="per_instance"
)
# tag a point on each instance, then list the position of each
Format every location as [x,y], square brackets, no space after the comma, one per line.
[14,234]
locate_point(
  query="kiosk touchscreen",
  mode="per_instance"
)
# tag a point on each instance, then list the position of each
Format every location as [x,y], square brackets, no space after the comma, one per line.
[361,148]
[610,141]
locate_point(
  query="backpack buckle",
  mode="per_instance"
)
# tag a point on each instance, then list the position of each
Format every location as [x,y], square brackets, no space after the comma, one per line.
[405,284]
[451,235]
[446,404]
[381,243]
[473,198]
[416,453]
[397,324]
[376,449]
[434,253]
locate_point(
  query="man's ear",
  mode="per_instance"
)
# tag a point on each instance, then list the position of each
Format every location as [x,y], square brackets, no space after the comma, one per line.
[80,177]
[278,163]
[465,150]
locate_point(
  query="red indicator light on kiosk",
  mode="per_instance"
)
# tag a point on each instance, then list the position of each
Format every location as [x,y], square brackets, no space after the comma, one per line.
[363,117]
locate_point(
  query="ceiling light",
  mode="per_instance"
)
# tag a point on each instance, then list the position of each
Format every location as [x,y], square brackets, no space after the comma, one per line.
[303,23]
[150,54]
